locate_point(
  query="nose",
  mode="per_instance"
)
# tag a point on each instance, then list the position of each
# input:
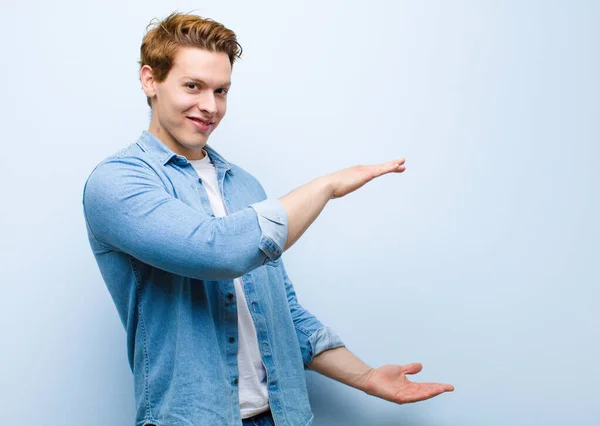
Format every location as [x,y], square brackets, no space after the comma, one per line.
[208,103]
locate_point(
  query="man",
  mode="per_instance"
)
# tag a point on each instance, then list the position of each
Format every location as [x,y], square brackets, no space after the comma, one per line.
[190,249]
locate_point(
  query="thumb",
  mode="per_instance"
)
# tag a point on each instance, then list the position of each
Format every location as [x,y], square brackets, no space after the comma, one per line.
[413,368]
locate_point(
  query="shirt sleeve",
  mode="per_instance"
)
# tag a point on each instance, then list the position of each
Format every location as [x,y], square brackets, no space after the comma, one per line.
[272,219]
[127,208]
[313,336]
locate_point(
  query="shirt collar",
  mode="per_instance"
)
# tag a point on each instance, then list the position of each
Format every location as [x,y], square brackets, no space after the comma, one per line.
[151,144]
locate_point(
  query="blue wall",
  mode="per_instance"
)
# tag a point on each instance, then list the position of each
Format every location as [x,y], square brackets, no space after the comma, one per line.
[481,261]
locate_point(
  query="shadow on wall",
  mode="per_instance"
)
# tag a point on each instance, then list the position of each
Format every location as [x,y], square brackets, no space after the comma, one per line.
[336,404]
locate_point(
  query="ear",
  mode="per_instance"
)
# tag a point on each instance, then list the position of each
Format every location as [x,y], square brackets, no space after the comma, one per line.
[148,82]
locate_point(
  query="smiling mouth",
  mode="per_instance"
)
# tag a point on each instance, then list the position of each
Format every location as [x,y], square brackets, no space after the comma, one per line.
[201,121]
[201,125]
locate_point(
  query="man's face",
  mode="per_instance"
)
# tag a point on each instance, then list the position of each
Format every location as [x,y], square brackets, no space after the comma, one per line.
[190,103]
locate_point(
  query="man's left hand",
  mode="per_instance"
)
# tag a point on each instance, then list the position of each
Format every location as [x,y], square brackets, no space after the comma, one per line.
[389,382]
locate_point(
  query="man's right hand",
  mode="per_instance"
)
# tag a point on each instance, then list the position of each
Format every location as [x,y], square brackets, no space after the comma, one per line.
[349,180]
[304,204]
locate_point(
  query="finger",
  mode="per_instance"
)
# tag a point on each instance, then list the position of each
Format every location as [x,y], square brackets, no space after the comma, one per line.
[423,391]
[443,387]
[413,368]
[434,389]
[390,166]
[398,165]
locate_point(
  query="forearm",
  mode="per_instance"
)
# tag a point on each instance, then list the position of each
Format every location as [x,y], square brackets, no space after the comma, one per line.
[304,205]
[342,365]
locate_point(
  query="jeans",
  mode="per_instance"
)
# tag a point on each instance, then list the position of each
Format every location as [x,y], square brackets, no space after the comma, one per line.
[263,419]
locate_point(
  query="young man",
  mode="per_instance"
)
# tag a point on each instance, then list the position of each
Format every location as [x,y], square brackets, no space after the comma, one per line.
[190,249]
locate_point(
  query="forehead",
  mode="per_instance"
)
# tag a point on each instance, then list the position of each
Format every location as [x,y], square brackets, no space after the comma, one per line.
[201,64]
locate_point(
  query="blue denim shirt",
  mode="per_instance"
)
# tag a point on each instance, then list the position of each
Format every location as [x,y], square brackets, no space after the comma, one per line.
[169,265]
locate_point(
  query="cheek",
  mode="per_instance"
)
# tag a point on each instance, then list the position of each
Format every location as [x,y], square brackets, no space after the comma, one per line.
[222,108]
[183,103]
[176,101]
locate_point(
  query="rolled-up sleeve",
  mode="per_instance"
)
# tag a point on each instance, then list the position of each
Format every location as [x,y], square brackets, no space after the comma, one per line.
[273,222]
[313,336]
[321,340]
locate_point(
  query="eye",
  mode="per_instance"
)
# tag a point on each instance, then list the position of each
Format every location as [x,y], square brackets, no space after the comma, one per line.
[191,86]
[222,91]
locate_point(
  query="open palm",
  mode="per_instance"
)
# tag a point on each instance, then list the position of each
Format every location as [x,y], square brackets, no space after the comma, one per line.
[389,382]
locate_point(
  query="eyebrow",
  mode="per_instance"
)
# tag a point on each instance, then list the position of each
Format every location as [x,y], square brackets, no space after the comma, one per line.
[197,80]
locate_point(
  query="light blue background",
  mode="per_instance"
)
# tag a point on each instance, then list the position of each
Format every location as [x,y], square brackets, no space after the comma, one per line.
[481,261]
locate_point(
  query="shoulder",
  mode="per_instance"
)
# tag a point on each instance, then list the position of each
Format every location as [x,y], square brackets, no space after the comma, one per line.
[127,158]
[119,169]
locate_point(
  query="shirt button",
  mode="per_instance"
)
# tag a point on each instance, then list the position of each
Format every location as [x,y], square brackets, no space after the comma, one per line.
[231,339]
[235,381]
[230,296]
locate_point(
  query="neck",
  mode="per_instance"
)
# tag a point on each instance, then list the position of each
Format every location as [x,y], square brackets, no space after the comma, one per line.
[165,137]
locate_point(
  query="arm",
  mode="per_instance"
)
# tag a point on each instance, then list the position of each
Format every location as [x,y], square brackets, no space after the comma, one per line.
[388,382]
[304,204]
[324,352]
[128,209]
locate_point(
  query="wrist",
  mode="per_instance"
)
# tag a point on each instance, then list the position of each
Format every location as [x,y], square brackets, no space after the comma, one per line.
[361,382]
[327,186]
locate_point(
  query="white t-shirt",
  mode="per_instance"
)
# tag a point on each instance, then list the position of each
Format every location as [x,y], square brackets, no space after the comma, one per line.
[253,395]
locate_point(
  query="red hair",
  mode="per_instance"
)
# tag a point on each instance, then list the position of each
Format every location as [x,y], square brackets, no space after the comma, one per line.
[164,38]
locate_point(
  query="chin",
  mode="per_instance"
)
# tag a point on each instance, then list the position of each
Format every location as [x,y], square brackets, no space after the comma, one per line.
[195,143]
